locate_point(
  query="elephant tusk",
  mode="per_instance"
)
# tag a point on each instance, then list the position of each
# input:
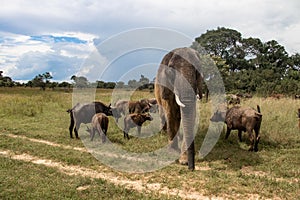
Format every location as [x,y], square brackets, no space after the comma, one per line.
[178,101]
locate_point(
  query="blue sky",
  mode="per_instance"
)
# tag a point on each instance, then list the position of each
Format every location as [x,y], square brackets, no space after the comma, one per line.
[64,38]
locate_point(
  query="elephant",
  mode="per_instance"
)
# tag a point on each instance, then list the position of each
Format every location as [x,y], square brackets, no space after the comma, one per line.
[178,81]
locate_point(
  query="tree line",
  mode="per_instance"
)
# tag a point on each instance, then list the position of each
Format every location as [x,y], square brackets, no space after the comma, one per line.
[43,81]
[246,65]
[250,65]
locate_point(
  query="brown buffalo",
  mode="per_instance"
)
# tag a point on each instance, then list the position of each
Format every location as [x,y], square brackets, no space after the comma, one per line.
[135,120]
[242,119]
[233,99]
[124,107]
[100,124]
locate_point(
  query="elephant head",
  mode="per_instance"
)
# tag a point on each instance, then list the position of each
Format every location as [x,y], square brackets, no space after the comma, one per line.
[178,81]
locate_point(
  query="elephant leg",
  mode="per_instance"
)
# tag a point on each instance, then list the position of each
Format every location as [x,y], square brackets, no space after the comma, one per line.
[172,114]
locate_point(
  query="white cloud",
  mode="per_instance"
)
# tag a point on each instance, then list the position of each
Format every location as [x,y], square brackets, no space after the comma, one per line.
[23,57]
[85,20]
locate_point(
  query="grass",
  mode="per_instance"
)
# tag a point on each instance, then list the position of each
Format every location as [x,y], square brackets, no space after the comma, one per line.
[228,171]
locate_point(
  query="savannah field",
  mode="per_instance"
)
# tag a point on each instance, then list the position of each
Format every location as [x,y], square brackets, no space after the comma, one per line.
[38,160]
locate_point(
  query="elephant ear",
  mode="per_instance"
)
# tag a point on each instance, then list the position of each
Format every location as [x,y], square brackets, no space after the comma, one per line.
[166,81]
[165,77]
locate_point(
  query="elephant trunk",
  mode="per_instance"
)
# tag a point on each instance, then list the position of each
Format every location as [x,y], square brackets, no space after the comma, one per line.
[188,115]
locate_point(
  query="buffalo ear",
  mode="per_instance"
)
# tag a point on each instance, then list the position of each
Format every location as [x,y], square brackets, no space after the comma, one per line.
[109,105]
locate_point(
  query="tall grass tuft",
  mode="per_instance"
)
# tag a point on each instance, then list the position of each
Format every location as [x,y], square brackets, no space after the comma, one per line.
[21,106]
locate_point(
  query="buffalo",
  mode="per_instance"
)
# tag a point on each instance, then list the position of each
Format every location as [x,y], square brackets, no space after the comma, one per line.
[135,120]
[83,113]
[100,124]
[233,99]
[242,119]
[124,107]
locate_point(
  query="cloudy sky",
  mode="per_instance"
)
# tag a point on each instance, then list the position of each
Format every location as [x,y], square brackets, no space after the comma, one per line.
[67,38]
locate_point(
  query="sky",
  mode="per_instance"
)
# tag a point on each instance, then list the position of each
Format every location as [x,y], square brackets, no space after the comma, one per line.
[79,37]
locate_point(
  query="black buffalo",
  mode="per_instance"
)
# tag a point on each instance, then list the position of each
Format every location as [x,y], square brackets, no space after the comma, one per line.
[83,113]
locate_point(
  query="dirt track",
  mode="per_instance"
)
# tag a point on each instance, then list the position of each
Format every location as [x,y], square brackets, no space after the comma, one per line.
[141,186]
[74,170]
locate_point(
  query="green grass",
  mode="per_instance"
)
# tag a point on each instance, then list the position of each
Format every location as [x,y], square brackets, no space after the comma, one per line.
[229,170]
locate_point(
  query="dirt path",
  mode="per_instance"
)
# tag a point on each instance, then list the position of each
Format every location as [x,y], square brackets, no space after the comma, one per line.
[138,185]
[74,170]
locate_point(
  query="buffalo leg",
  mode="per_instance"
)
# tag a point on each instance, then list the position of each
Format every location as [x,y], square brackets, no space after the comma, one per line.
[93,133]
[71,126]
[240,135]
[104,136]
[252,140]
[126,134]
[77,126]
[139,129]
[257,139]
[227,133]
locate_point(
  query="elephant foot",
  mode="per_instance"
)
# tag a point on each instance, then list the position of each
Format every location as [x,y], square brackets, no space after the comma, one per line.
[183,160]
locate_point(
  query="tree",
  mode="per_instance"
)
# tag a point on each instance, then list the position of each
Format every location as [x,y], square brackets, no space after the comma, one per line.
[250,65]
[38,82]
[273,56]
[219,42]
[42,80]
[133,83]
[110,85]
[143,82]
[80,81]
[64,84]
[6,81]
[47,76]
[120,84]
[100,84]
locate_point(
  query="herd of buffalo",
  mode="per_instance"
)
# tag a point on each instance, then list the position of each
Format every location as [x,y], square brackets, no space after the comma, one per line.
[137,112]
[178,81]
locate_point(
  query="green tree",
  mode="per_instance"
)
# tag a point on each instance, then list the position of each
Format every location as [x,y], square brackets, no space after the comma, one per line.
[143,82]
[110,85]
[100,84]
[133,83]
[250,65]
[42,80]
[220,42]
[273,56]
[38,82]
[120,84]
[6,81]
[80,81]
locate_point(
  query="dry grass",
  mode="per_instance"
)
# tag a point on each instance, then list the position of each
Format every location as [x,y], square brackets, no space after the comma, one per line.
[228,171]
